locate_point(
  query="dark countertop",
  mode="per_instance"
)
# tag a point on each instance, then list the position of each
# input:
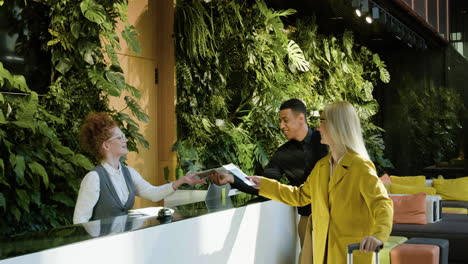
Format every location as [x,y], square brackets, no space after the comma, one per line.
[22,244]
[448,172]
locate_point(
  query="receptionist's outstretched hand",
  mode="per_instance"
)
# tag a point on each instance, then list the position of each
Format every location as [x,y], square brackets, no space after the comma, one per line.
[193,179]
[255,179]
[189,179]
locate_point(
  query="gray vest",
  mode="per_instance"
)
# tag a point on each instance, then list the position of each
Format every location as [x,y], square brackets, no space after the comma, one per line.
[109,204]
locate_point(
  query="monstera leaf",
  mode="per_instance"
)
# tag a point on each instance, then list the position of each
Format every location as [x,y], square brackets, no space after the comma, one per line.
[296,58]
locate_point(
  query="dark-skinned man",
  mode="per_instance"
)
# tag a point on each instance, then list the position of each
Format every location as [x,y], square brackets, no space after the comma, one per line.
[295,159]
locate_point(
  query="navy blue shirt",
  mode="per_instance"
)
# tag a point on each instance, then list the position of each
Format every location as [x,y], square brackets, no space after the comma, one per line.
[294,159]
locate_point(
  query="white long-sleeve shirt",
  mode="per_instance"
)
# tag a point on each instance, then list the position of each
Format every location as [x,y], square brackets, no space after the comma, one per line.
[90,188]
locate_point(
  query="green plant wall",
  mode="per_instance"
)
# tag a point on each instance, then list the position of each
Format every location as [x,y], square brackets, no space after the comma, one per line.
[423,117]
[237,61]
[41,164]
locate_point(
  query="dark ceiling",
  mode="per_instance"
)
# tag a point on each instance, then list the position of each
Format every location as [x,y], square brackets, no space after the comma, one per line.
[333,16]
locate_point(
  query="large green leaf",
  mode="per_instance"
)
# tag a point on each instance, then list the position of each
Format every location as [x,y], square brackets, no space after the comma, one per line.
[348,42]
[384,75]
[367,88]
[125,117]
[136,109]
[326,48]
[75,29]
[19,82]
[3,178]
[24,124]
[19,167]
[2,117]
[29,108]
[130,35]
[4,74]
[112,54]
[16,81]
[63,150]
[97,79]
[52,117]
[117,79]
[134,91]
[64,198]
[93,11]
[141,140]
[16,212]
[64,65]
[82,161]
[39,170]
[88,56]
[36,197]
[296,57]
[22,199]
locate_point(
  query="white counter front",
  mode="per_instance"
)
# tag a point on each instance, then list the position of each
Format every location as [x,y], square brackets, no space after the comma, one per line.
[262,232]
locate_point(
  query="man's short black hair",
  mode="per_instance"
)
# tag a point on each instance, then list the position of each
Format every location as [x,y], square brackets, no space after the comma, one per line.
[295,105]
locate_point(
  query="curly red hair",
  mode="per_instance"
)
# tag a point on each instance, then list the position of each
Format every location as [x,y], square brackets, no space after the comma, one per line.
[95,131]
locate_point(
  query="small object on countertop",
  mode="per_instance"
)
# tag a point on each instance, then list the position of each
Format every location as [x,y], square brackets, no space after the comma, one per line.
[165,215]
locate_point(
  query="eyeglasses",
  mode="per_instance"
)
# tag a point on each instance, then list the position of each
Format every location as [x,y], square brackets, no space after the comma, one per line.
[122,137]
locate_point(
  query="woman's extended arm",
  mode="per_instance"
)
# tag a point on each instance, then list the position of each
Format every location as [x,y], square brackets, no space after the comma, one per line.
[157,193]
[291,195]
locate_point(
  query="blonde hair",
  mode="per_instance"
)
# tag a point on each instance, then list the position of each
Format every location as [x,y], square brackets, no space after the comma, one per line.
[344,128]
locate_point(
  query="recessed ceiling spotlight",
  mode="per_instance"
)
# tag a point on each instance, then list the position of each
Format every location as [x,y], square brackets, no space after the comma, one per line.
[369,19]
[358,12]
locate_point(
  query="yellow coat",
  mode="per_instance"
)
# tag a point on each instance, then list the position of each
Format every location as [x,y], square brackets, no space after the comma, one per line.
[352,205]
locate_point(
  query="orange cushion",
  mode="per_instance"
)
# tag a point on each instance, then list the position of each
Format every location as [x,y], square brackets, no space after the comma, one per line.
[385,179]
[415,254]
[409,209]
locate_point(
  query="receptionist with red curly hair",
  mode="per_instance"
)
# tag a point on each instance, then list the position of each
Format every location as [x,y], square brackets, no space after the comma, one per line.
[109,189]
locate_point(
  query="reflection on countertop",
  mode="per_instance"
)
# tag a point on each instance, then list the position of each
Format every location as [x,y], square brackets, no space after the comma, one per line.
[22,244]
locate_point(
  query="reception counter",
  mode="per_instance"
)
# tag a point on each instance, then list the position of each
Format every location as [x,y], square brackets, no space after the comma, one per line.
[234,229]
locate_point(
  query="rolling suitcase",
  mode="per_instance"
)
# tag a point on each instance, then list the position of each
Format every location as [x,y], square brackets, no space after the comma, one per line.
[353,247]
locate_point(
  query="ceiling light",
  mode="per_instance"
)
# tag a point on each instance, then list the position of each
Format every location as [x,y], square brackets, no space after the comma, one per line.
[358,12]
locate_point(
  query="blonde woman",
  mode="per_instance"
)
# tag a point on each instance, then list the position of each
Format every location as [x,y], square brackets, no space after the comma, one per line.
[349,203]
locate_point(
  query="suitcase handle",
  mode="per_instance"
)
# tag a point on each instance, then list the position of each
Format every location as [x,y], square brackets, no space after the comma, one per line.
[353,247]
